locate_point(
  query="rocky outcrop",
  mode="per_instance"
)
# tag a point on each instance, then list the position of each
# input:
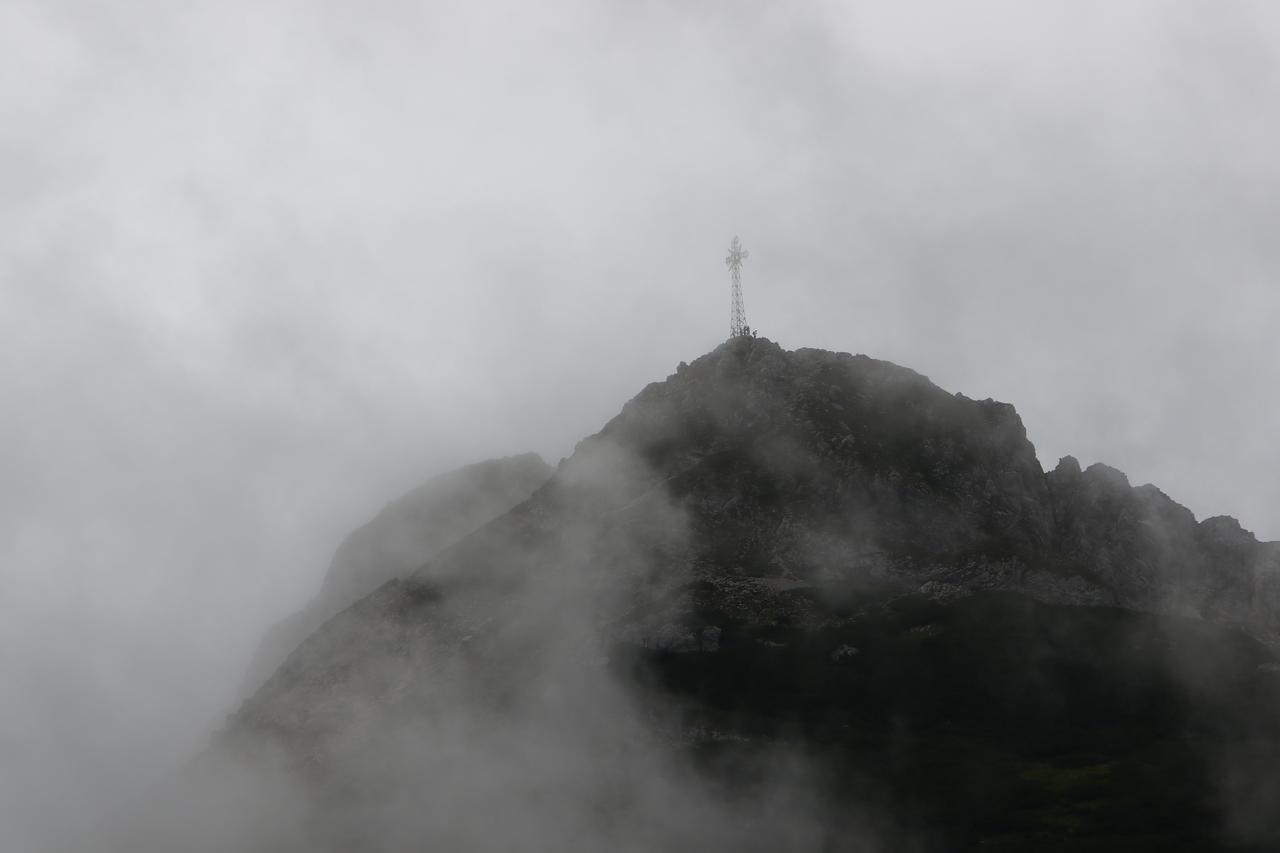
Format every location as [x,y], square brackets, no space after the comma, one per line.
[831,468]
[1141,550]
[810,463]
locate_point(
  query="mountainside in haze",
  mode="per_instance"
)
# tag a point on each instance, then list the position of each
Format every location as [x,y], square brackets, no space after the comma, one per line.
[404,535]
[790,600]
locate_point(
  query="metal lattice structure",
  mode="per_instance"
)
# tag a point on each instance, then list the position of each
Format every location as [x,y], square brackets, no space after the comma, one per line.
[738,316]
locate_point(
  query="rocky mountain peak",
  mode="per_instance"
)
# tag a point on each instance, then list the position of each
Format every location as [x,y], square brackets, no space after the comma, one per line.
[799,546]
[821,461]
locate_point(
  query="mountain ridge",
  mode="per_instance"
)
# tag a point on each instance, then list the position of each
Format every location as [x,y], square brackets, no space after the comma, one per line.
[1056,525]
[409,529]
[811,555]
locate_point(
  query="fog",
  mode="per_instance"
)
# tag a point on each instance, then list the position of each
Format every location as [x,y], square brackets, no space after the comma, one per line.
[478,712]
[265,266]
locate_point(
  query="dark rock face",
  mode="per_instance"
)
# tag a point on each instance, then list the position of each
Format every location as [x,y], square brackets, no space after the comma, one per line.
[1139,549]
[825,554]
[810,465]
[812,462]
[403,536]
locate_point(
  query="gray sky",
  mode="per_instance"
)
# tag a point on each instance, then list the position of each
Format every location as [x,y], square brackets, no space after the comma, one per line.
[265,265]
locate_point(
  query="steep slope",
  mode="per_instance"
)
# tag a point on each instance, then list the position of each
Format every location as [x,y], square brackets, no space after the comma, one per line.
[401,537]
[799,600]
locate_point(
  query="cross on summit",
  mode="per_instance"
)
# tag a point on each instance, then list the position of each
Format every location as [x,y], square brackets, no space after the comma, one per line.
[738,327]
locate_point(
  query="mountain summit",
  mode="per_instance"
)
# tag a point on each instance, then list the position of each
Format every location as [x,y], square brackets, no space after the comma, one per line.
[789,600]
[812,464]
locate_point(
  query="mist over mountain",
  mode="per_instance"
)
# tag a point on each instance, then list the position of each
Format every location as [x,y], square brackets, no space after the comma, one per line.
[783,600]
[400,538]
[265,267]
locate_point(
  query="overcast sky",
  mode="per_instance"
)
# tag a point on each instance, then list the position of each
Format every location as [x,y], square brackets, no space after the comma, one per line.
[266,265]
